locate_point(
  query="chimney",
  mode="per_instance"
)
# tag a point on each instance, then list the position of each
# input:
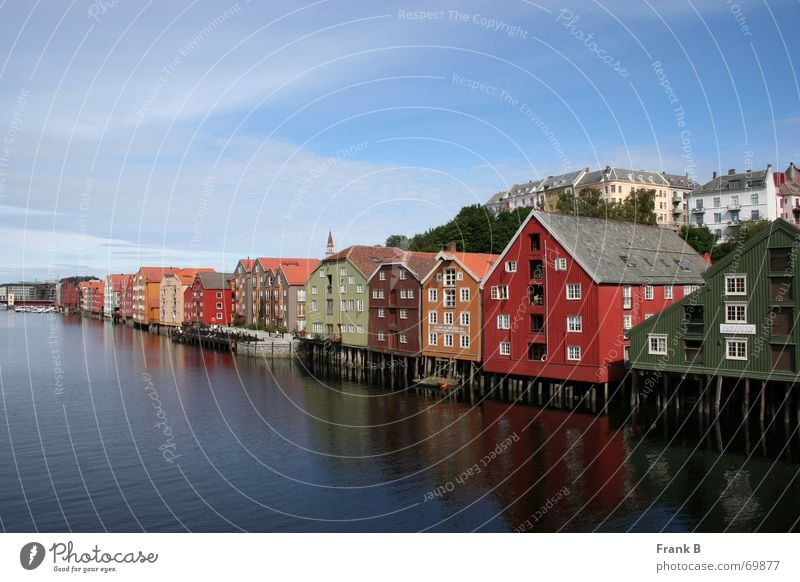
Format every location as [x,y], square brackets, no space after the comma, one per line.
[714,177]
[451,247]
[586,169]
[732,171]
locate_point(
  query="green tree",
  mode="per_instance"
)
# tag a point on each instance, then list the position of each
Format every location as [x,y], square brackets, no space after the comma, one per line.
[398,240]
[745,230]
[700,238]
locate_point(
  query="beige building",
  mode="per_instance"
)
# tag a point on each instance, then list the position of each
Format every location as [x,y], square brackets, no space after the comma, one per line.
[171,292]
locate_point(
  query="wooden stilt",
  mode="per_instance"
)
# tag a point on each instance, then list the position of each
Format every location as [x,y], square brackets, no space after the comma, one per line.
[786,404]
[762,402]
[718,396]
[746,400]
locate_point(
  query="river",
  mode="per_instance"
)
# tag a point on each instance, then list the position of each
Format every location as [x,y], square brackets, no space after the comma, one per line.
[106,428]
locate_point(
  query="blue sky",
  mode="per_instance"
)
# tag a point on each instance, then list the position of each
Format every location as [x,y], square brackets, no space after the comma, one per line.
[196,133]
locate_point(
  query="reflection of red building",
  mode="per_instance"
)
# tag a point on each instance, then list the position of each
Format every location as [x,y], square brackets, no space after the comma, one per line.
[208,299]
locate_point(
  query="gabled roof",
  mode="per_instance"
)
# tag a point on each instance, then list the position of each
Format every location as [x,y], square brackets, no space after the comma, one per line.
[721,183]
[418,263]
[211,280]
[367,259]
[678,181]
[477,265]
[617,252]
[297,271]
[155,274]
[247,264]
[568,179]
[186,276]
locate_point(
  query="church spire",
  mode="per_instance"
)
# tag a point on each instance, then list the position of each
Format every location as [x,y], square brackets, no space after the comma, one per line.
[329,248]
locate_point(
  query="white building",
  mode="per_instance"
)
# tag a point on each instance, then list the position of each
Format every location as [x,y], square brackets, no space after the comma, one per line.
[725,201]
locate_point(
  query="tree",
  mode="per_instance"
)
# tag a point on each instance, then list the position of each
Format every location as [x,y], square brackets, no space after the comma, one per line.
[745,230]
[700,238]
[398,240]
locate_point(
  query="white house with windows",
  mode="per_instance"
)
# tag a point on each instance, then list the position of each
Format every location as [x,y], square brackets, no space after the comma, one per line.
[725,201]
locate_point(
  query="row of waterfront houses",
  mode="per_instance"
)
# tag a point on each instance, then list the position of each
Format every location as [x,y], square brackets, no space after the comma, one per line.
[720,204]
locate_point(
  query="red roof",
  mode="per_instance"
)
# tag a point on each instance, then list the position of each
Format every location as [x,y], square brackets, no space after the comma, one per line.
[247,264]
[155,274]
[368,259]
[297,271]
[118,281]
[186,276]
[478,264]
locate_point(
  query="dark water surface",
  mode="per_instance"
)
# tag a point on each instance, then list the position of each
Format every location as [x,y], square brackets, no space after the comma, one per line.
[104,428]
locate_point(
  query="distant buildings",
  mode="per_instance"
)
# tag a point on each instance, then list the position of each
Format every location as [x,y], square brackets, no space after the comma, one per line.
[68,296]
[114,288]
[788,190]
[208,299]
[26,291]
[171,292]
[147,294]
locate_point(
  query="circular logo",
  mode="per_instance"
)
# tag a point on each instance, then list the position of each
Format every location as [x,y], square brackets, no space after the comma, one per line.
[31,555]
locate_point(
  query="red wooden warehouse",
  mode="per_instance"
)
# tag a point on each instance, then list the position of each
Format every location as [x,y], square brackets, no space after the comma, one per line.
[208,299]
[559,300]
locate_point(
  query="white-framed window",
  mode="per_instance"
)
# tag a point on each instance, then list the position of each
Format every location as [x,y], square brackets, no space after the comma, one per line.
[382,275]
[448,340]
[402,274]
[433,339]
[374,293]
[433,317]
[735,348]
[499,292]
[464,294]
[448,318]
[504,348]
[313,305]
[449,298]
[573,353]
[322,273]
[433,295]
[360,305]
[573,291]
[219,316]
[313,289]
[343,271]
[410,293]
[503,321]
[343,305]
[463,341]
[359,288]
[351,305]
[381,312]
[648,292]
[402,293]
[449,277]
[219,294]
[465,318]
[668,292]
[736,284]
[657,344]
[351,280]
[219,305]
[627,322]
[403,337]
[735,312]
[561,264]
[459,276]
[687,289]
[574,323]
[511,266]
[342,288]
[404,314]
[648,315]
[359,329]
[381,336]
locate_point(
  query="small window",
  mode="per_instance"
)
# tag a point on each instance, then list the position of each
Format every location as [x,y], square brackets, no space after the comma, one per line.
[574,323]
[499,292]
[448,318]
[505,348]
[536,244]
[648,292]
[402,274]
[403,338]
[464,294]
[219,294]
[409,293]
[735,349]
[382,275]
[359,288]
[503,321]
[561,264]
[343,271]
[668,292]
[322,273]
[351,279]
[433,317]
[574,291]
[736,313]
[313,289]
[657,344]
[627,322]
[404,314]
[573,353]
[464,341]
[735,284]
[459,276]
[433,295]
[448,340]
[360,305]
[465,318]
[433,339]
[381,312]
[629,262]
[511,266]
[381,336]
[359,329]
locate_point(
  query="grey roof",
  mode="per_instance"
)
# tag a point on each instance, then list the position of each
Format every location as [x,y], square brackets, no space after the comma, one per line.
[722,182]
[562,180]
[612,174]
[494,199]
[678,181]
[622,252]
[215,280]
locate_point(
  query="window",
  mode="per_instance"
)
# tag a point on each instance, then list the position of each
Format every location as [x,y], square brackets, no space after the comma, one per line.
[465,318]
[381,336]
[668,292]
[499,292]
[754,199]
[343,271]
[754,215]
[410,293]
[626,297]
[301,294]
[433,295]
[313,305]
[536,243]
[219,316]
[219,294]
[402,274]
[735,284]
[716,202]
[574,323]
[382,275]
[450,277]
[687,289]
[433,339]
[511,266]
[342,288]
[648,292]
[736,313]
[433,317]
[574,291]
[360,305]
[463,341]
[381,312]
[359,329]
[219,305]
[561,264]
[449,298]
[627,322]
[351,280]
[322,273]
[505,348]
[404,314]
[657,344]
[503,321]
[464,294]
[574,353]
[717,217]
[313,289]
[343,305]
[459,276]
[448,318]
[403,337]
[735,349]
[438,277]
[448,340]
[779,260]
[402,293]
[359,288]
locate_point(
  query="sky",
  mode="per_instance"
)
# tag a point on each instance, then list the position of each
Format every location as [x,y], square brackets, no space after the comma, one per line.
[197,133]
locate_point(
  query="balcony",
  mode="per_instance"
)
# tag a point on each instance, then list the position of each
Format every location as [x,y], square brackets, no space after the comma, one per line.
[696,210]
[536,294]
[734,206]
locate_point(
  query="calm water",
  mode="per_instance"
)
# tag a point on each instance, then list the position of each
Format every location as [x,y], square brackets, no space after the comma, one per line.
[104,428]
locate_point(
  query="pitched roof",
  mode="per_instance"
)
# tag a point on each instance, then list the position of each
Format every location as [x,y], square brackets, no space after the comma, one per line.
[678,181]
[367,259]
[614,174]
[612,251]
[155,274]
[477,265]
[212,280]
[723,182]
[419,263]
[561,180]
[186,276]
[297,271]
[247,264]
